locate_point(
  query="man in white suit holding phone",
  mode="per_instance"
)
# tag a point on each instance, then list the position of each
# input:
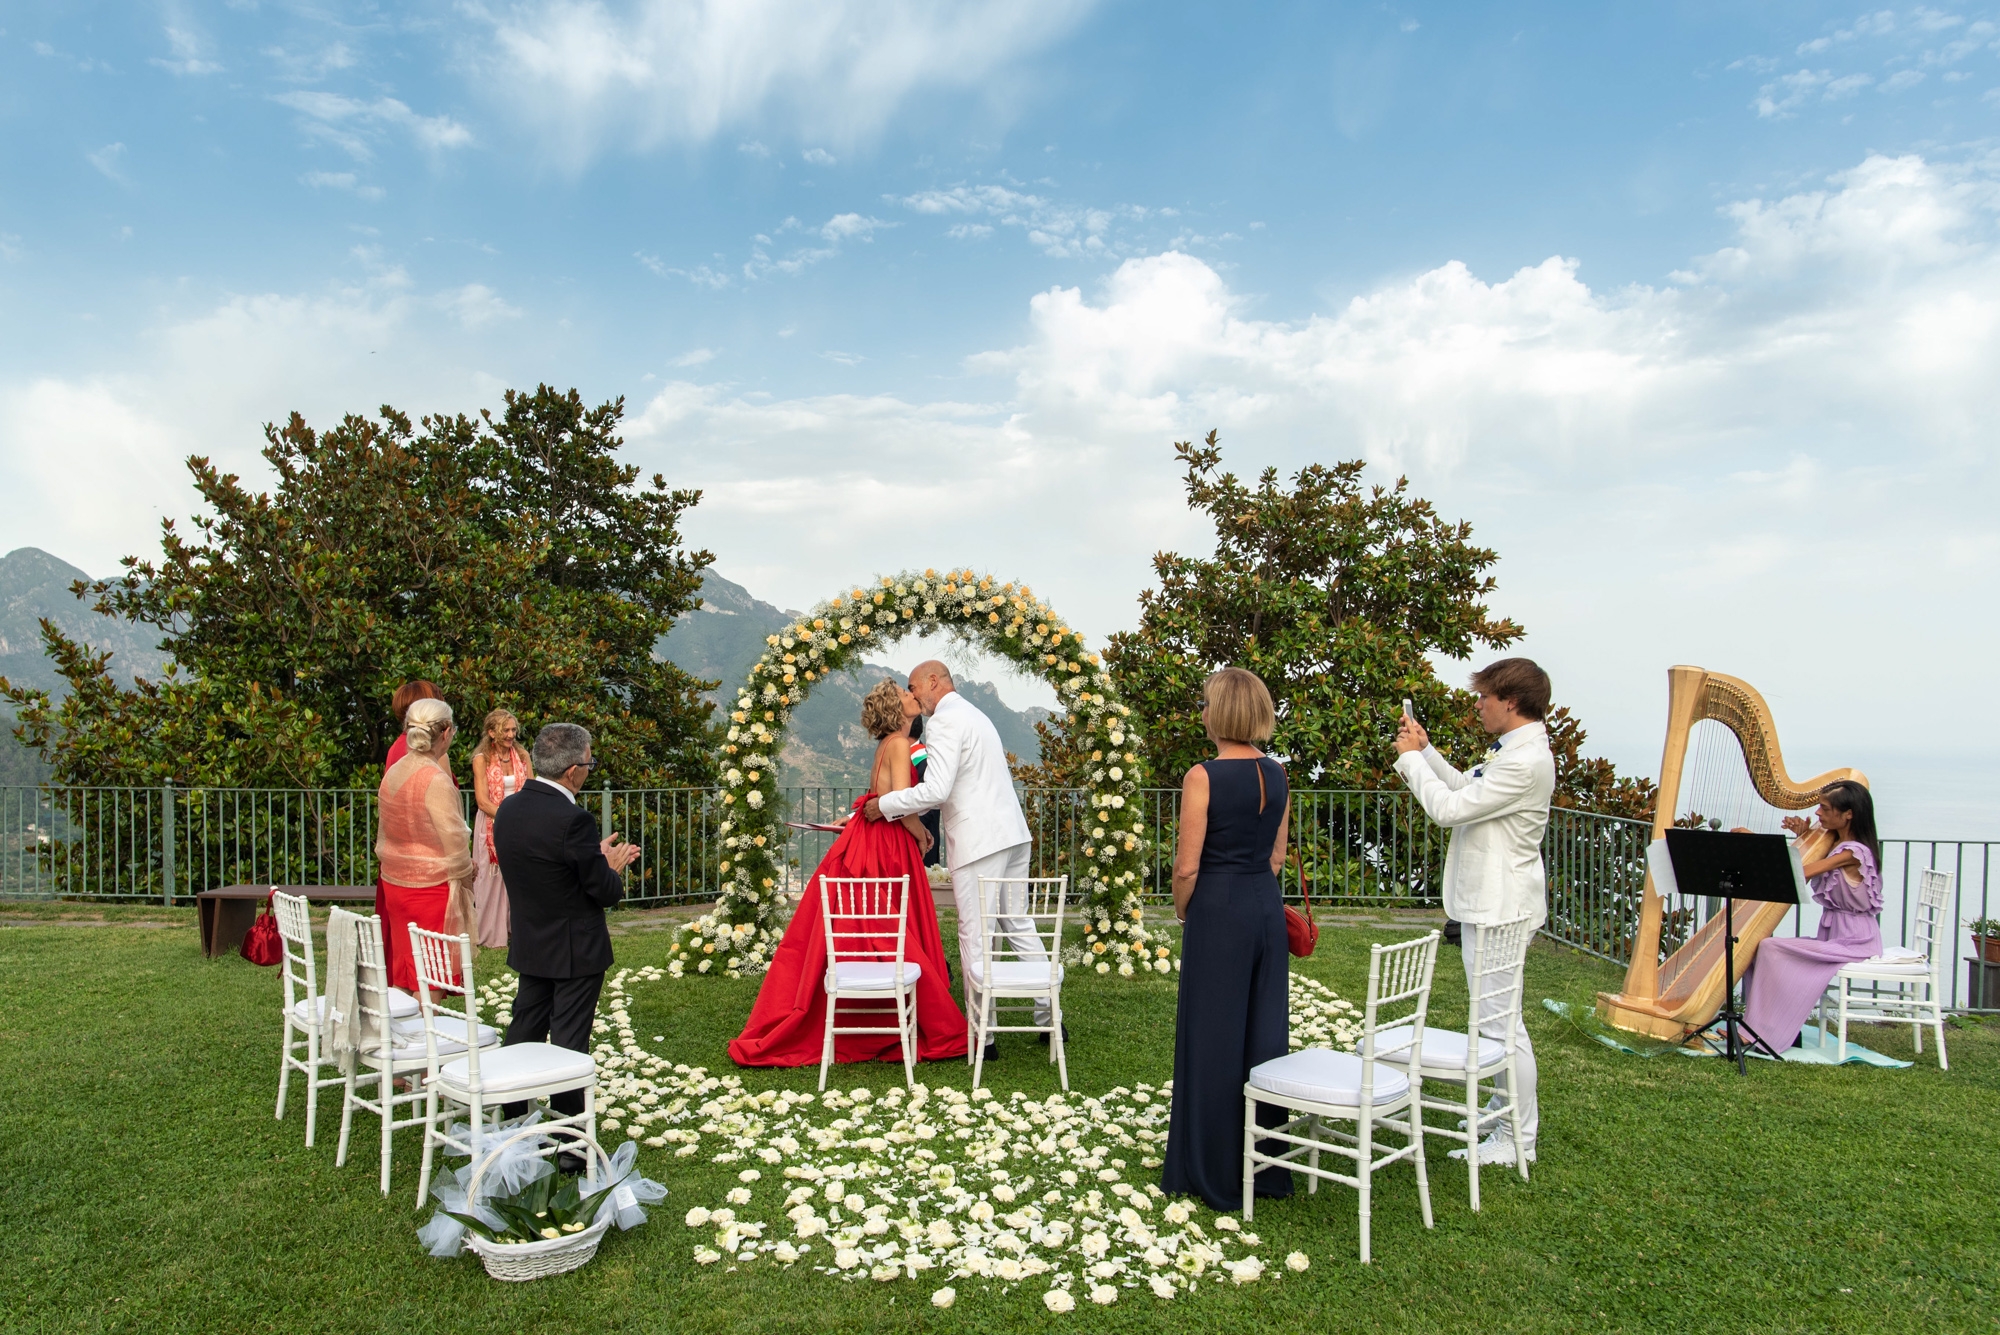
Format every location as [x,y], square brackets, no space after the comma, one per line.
[985,834]
[1496,813]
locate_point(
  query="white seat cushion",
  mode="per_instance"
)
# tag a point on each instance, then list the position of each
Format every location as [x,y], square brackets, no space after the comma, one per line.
[401,1004]
[873,975]
[1319,1075]
[309,1011]
[1883,966]
[523,1066]
[1443,1048]
[1020,974]
[450,1031]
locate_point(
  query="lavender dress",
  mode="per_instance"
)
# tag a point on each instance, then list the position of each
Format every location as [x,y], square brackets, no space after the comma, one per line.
[1789,975]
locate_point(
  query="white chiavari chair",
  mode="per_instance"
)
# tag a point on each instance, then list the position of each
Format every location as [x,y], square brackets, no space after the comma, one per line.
[1020,965]
[480,1080]
[1320,1086]
[1904,984]
[1471,1060]
[861,915]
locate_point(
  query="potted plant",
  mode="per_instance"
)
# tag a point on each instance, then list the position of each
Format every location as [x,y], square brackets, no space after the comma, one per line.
[1986,939]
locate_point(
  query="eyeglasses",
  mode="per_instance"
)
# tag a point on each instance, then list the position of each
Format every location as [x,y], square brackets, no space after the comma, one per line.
[585,764]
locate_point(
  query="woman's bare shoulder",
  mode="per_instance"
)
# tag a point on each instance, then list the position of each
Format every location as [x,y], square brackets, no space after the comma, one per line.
[1197,774]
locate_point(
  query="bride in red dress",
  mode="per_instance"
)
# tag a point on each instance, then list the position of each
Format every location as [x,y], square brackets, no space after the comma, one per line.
[787,1026]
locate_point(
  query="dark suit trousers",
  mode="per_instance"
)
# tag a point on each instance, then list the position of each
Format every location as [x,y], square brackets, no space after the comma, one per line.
[558,1011]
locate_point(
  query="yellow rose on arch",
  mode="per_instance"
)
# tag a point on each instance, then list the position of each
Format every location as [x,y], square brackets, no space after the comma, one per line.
[1109,871]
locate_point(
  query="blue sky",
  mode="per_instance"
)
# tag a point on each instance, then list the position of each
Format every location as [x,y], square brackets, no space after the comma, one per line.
[1693,310]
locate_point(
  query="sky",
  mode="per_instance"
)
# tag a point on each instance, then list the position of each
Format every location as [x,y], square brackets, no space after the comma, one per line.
[1691,310]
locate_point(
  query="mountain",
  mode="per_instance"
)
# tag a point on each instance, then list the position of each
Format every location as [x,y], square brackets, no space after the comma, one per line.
[33,585]
[721,638]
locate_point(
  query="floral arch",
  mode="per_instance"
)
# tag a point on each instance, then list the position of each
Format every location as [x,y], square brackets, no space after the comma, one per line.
[739,935]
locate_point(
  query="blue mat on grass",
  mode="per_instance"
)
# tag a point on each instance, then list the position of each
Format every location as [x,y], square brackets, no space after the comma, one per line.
[1809,1050]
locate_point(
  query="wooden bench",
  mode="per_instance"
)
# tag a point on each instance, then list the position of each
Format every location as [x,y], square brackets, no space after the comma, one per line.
[227,912]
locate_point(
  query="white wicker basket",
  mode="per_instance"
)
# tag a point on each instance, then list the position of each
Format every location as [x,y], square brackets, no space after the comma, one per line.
[546,1256]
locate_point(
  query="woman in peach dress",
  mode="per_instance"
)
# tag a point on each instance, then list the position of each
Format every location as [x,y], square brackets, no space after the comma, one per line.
[424,848]
[499,769]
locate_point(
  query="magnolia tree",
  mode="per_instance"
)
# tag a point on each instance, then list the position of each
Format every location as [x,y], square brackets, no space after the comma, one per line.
[738,937]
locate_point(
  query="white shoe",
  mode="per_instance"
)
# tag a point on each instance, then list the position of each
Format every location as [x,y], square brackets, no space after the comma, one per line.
[1497,1148]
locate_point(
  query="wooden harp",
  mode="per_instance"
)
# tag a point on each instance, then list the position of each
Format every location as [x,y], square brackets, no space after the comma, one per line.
[1674,997]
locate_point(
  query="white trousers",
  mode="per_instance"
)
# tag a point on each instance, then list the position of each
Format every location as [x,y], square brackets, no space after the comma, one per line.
[1018,932]
[1491,1026]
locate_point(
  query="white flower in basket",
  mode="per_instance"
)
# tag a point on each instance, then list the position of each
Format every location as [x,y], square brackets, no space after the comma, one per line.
[530,1220]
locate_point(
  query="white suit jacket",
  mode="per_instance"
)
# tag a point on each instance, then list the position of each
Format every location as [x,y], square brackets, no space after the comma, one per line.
[1496,815]
[967,778]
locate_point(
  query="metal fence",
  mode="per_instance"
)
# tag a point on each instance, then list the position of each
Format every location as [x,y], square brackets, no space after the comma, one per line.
[1358,849]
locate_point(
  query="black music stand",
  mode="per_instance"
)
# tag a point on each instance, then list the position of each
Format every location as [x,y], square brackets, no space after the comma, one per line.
[1730,866]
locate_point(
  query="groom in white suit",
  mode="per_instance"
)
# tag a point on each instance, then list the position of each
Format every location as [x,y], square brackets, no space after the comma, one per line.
[985,834]
[1493,869]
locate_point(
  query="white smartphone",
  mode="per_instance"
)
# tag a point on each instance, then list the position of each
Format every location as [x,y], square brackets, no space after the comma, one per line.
[1406,708]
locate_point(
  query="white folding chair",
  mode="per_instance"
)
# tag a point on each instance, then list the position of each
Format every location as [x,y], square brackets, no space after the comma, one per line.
[1320,1086]
[477,1078]
[1904,984]
[859,914]
[391,1044]
[305,1009]
[1020,964]
[1446,1055]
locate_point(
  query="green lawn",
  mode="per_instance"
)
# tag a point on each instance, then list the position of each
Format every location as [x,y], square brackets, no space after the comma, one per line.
[147,1186]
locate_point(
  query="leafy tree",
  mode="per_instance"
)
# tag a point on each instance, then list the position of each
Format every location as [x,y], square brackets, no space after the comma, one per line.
[510,560]
[1339,595]
[1335,593]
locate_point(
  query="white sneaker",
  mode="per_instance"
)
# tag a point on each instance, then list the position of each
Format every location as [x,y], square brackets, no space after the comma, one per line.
[1497,1148]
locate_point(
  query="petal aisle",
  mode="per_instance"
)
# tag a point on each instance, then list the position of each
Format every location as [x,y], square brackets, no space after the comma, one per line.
[934,1184]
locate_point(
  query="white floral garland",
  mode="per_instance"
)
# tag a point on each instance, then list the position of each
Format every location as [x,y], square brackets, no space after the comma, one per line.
[935,1183]
[739,936]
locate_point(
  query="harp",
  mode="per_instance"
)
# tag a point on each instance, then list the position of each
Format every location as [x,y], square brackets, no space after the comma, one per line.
[1671,998]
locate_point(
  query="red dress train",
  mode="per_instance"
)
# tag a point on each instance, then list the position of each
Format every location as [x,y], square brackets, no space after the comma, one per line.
[787,1026]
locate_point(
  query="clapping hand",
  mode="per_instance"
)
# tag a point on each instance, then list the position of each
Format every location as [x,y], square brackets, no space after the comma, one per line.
[618,853]
[1411,736]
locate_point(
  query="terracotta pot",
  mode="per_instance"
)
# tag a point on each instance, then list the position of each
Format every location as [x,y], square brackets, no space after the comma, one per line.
[1989,949]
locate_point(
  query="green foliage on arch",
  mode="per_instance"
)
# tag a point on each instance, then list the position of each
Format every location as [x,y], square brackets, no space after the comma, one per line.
[738,937]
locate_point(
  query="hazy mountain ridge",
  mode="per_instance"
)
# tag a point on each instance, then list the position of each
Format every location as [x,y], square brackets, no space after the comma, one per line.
[34,584]
[722,639]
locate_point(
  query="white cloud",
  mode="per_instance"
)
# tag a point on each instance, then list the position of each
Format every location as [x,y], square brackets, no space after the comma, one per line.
[109,160]
[587,75]
[694,357]
[344,121]
[1672,473]
[819,157]
[849,226]
[187,58]
[1900,80]
[475,305]
[341,181]
[1061,231]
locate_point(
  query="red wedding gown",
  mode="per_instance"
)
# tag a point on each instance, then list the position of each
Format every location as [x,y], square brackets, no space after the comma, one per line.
[787,1026]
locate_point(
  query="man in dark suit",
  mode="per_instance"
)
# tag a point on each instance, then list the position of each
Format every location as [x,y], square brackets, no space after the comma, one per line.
[560,878]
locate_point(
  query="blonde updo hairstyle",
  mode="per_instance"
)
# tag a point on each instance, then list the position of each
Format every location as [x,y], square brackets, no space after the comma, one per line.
[882,709]
[424,723]
[1239,707]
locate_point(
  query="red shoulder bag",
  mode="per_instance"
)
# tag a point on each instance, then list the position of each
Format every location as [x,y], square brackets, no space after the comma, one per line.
[1301,932]
[261,944]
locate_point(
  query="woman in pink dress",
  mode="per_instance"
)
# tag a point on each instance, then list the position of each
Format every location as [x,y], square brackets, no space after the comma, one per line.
[499,768]
[424,849]
[787,1026]
[1789,975]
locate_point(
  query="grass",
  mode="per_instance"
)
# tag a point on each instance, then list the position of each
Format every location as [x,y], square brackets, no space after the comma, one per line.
[148,1188]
